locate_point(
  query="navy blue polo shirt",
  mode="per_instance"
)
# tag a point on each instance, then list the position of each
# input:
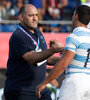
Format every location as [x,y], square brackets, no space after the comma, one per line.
[20,74]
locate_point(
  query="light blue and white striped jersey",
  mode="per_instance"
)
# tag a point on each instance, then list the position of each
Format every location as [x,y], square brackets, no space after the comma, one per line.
[79,43]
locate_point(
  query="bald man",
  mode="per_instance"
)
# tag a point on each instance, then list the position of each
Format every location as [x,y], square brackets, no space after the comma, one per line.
[28,56]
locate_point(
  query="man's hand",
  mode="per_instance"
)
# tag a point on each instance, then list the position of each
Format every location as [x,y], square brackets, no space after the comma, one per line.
[39,89]
[56,46]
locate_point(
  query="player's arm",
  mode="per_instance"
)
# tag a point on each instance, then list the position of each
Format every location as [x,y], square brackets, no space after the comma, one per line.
[62,4]
[61,65]
[53,82]
[57,70]
[52,60]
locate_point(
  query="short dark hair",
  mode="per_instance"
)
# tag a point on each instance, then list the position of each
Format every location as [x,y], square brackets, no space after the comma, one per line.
[83,12]
[22,10]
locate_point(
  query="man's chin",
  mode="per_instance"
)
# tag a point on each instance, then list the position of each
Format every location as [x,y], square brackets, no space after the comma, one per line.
[34,27]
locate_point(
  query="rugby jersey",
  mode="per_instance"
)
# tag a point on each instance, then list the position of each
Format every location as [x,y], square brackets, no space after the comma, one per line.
[79,43]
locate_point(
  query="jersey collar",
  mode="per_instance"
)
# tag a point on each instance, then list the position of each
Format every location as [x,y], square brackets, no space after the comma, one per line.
[81,29]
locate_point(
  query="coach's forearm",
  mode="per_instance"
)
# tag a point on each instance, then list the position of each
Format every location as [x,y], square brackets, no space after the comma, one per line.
[34,57]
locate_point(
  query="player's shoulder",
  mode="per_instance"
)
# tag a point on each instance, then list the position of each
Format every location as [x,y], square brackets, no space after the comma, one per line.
[77,34]
[72,35]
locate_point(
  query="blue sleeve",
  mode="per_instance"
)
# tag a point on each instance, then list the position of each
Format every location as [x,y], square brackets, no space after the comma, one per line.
[72,42]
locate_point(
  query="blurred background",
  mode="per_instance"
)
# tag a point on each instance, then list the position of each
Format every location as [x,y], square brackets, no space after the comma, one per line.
[55,22]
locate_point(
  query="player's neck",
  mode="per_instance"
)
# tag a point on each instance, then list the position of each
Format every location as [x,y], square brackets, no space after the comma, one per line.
[80,25]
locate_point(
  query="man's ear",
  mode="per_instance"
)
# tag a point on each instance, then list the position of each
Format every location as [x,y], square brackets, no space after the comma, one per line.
[20,17]
[76,17]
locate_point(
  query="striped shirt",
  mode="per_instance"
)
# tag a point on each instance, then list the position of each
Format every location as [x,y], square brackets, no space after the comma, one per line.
[79,43]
